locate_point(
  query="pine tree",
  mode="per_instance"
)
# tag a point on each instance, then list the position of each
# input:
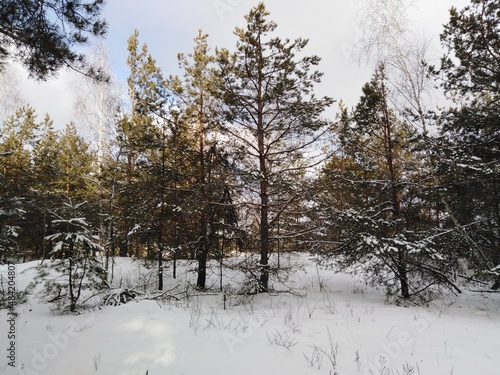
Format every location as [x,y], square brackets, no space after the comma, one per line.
[75,162]
[467,149]
[471,63]
[155,141]
[378,132]
[372,201]
[17,137]
[44,34]
[45,189]
[198,106]
[128,136]
[272,115]
[74,267]
[11,211]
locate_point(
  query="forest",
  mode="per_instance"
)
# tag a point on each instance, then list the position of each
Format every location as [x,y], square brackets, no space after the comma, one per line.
[236,157]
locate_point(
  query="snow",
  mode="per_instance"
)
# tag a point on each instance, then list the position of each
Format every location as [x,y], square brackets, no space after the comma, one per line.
[331,318]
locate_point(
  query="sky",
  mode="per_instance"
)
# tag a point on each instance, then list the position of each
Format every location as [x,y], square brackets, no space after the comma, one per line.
[169,27]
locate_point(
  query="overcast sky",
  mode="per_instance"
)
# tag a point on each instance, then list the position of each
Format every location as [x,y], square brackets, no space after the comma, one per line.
[168,27]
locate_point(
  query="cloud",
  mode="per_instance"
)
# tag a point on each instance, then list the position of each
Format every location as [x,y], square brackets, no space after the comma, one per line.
[52,96]
[169,28]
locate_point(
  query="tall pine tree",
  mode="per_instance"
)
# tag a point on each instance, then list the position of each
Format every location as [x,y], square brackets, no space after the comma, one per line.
[469,142]
[272,115]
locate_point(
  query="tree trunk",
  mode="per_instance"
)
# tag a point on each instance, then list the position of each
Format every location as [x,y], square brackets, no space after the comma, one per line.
[202,266]
[203,245]
[402,275]
[264,218]
[396,206]
[160,268]
[174,267]
[72,306]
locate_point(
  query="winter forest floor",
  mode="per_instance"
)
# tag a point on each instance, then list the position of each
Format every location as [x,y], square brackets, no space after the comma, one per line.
[330,323]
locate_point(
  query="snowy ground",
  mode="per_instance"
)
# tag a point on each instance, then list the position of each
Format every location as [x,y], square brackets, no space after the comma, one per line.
[333,324]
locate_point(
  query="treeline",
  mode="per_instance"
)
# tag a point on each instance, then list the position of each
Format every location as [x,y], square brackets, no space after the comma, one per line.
[236,156]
